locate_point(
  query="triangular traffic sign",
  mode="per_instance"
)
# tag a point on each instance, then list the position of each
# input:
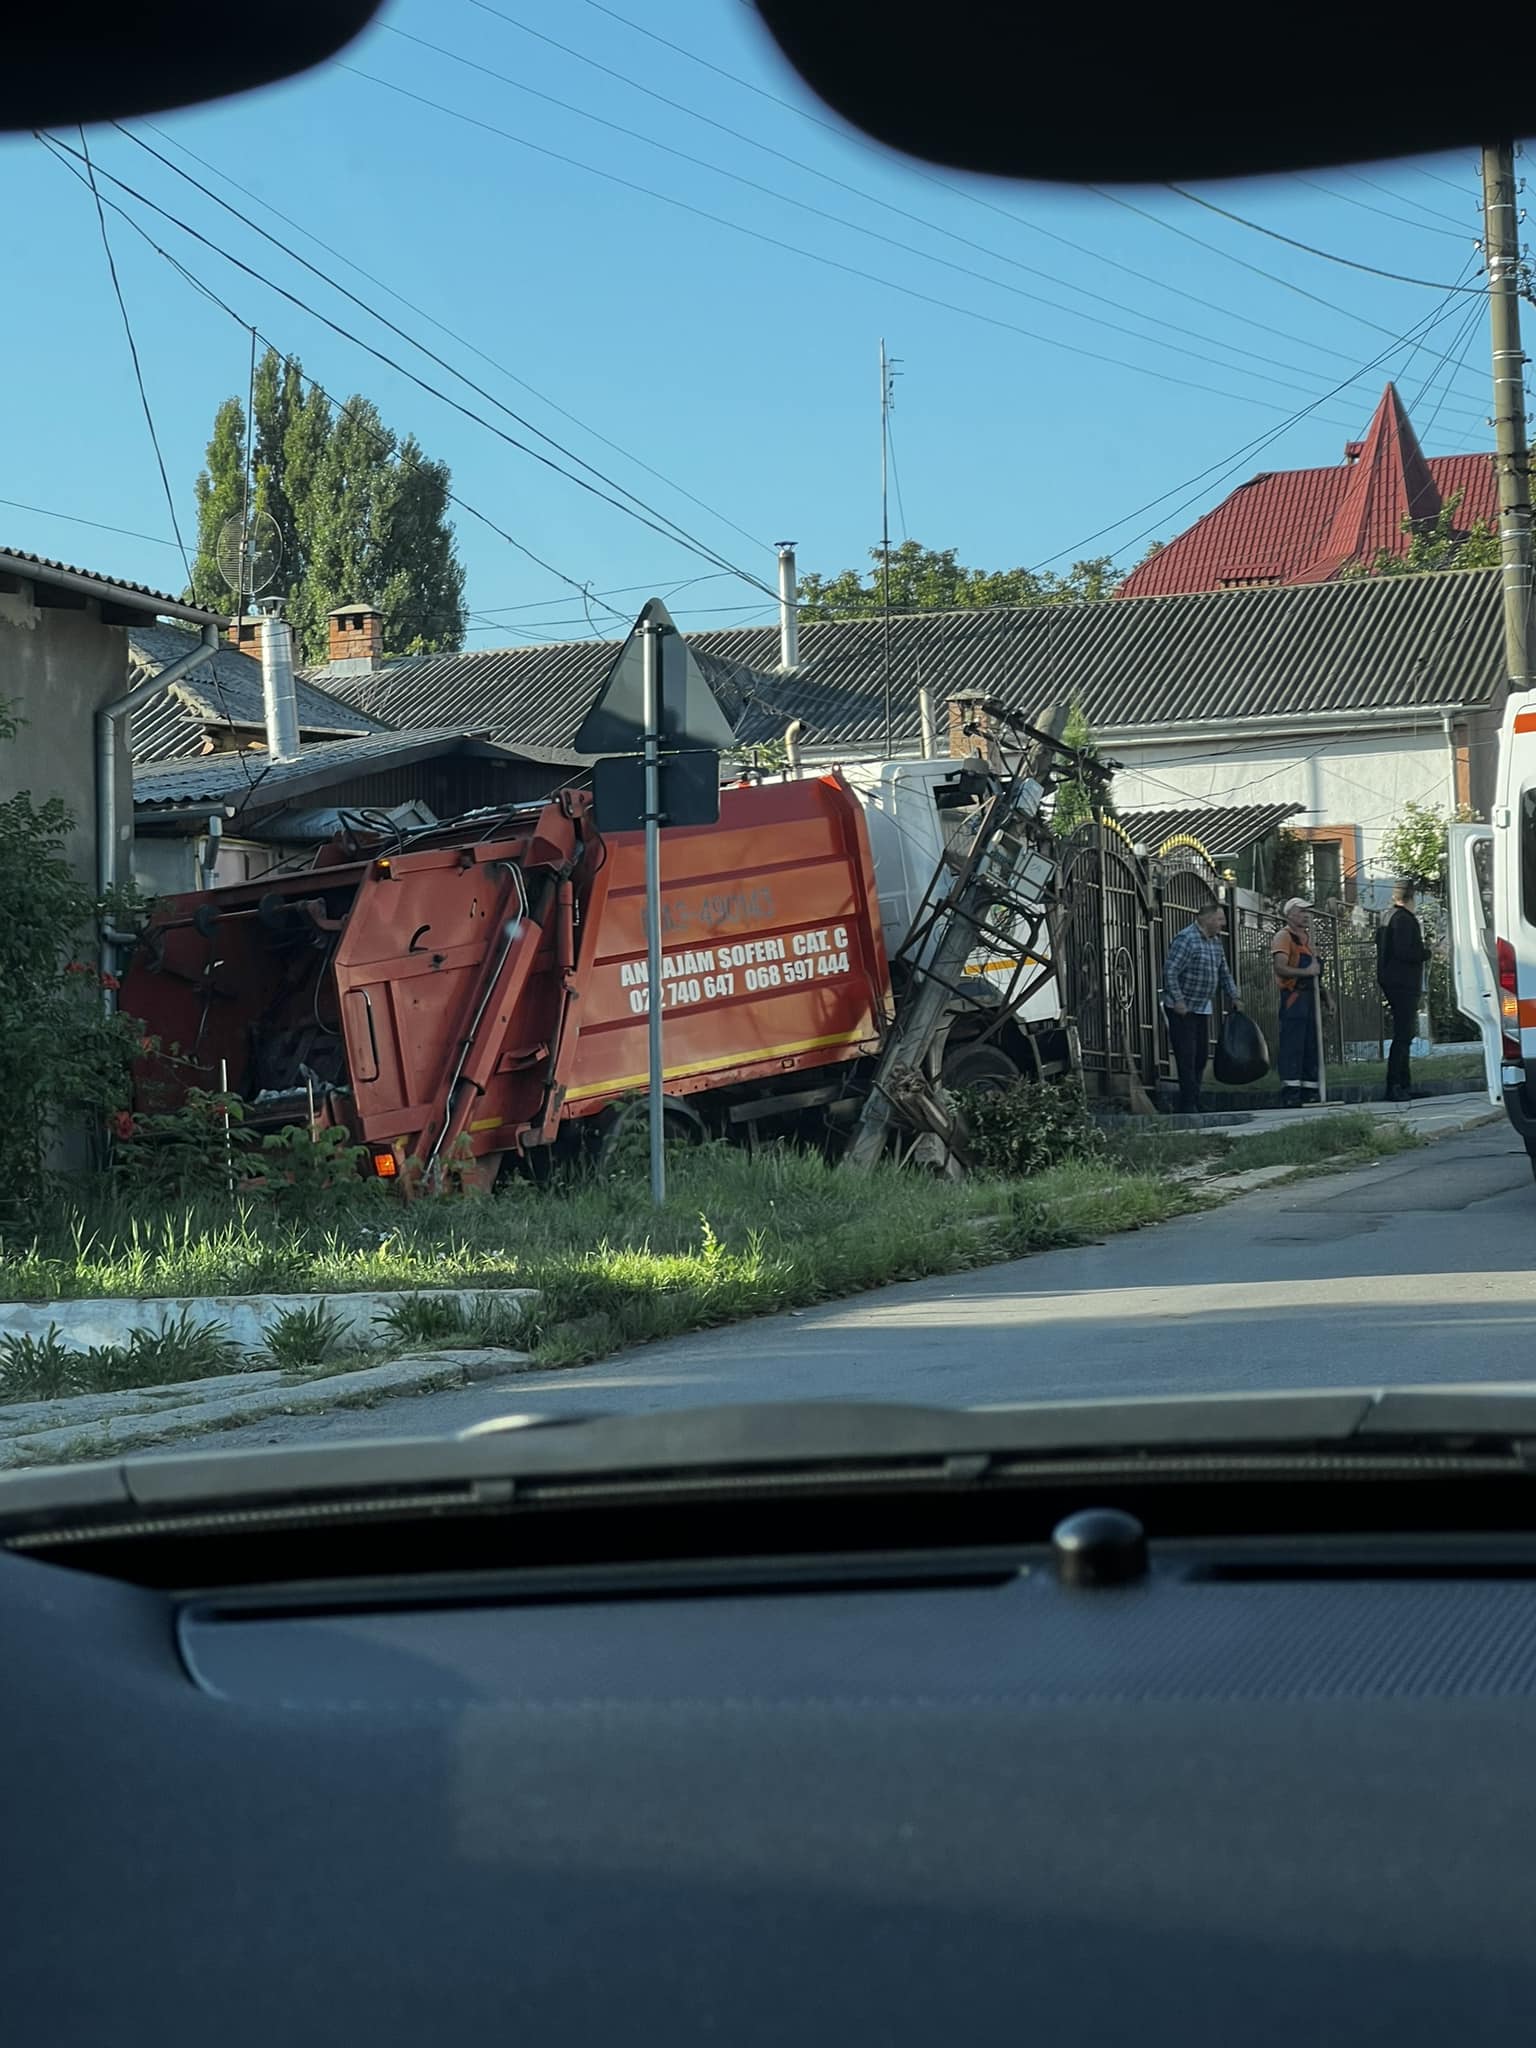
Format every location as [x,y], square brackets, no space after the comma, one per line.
[692,716]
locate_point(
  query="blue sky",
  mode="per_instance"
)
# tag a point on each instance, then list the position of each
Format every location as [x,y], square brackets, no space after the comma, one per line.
[743,370]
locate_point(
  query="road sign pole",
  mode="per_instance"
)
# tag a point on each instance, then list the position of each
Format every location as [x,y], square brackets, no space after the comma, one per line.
[651,650]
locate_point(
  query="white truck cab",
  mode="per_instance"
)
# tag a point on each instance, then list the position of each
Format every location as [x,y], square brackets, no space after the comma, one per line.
[915,812]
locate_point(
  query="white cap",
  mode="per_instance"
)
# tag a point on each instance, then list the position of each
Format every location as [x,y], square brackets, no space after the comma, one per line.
[1297,903]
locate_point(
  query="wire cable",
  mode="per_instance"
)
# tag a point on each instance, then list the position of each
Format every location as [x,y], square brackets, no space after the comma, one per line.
[1229,464]
[1461,234]
[696,547]
[392,326]
[133,350]
[342,410]
[809,255]
[1310,248]
[75,519]
[1256,269]
[736,134]
[1018,220]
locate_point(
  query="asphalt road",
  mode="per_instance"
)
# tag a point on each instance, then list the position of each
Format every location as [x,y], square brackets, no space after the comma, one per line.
[1420,1268]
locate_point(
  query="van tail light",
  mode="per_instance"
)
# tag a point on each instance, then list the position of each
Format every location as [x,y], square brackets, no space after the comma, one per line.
[1509,998]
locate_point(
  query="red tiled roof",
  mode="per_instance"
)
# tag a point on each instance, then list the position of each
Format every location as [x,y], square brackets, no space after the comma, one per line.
[1304,525]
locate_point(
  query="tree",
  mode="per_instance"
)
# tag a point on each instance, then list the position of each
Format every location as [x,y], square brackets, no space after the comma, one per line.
[1416,845]
[67,1059]
[363,514]
[1435,544]
[1078,798]
[931,580]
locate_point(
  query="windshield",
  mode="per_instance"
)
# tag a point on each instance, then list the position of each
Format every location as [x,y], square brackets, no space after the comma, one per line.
[490,924]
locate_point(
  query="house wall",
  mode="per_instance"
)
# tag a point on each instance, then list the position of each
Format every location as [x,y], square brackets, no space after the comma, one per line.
[57,669]
[1358,783]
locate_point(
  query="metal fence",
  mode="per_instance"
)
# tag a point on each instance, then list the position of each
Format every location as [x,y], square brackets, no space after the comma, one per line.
[1118,913]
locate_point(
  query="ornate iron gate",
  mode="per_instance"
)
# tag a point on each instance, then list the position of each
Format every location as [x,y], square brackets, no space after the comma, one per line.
[1119,911]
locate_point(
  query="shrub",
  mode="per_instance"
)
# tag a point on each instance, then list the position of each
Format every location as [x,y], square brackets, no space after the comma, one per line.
[66,1058]
[1029,1127]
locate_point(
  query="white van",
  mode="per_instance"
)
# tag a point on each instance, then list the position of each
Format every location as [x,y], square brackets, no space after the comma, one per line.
[1506,1009]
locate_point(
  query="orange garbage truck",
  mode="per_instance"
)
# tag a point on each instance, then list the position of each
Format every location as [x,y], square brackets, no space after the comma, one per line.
[476,997]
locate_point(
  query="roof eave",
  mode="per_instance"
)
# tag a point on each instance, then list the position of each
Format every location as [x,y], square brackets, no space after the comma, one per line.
[152,604]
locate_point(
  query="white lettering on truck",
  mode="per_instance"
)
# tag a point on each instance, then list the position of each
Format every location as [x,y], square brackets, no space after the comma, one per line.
[707,974]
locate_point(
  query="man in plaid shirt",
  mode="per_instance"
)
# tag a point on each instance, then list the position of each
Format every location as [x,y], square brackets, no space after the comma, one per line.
[1195,968]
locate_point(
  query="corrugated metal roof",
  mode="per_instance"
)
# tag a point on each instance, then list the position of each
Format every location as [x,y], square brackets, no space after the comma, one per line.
[225,691]
[249,780]
[43,569]
[1290,525]
[1415,642]
[536,697]
[1225,830]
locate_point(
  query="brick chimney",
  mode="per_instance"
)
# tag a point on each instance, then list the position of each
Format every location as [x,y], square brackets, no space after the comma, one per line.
[247,637]
[968,711]
[356,637]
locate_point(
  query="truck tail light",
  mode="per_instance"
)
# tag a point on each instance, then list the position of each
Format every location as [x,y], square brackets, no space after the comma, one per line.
[386,1166]
[1509,998]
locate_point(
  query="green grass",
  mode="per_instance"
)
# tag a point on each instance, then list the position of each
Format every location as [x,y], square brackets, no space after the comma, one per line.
[739,1236]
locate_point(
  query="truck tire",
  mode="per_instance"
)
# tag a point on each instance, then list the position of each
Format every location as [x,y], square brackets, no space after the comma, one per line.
[983,1067]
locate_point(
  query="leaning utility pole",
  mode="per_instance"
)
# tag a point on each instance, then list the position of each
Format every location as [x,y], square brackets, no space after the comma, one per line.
[1512,463]
[885,531]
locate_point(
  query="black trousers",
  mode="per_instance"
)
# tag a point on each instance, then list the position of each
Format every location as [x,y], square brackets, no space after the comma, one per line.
[1404,1005]
[1189,1037]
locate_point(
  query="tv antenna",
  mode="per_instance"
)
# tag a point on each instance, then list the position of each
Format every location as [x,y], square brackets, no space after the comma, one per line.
[249,555]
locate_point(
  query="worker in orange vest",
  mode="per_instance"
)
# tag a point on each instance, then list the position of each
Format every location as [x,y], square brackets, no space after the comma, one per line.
[1299,974]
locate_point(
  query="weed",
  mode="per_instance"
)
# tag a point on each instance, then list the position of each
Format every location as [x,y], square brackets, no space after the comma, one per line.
[303,1338]
[425,1319]
[38,1368]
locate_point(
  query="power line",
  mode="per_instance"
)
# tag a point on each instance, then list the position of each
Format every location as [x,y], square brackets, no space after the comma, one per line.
[452,334]
[75,519]
[736,134]
[394,328]
[133,350]
[342,410]
[1228,464]
[1017,220]
[1462,234]
[512,441]
[1309,248]
[809,255]
[1375,185]
[1257,270]
[1473,322]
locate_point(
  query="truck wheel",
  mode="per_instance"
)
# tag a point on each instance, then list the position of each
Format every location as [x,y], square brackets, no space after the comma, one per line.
[982,1067]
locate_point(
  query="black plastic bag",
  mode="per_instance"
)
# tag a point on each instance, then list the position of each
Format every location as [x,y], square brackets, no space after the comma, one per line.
[1241,1056]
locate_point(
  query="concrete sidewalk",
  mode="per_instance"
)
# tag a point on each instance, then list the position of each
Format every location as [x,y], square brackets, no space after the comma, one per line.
[1434,1116]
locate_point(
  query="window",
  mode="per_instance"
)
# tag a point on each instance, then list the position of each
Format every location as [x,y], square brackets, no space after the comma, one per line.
[1528,856]
[1327,870]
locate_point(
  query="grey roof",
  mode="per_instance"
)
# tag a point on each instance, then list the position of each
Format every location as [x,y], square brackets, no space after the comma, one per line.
[534,698]
[250,782]
[135,596]
[224,691]
[1414,642]
[1223,830]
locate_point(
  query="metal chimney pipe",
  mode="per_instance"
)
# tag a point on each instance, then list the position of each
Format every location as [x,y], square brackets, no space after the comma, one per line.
[925,717]
[789,610]
[279,700]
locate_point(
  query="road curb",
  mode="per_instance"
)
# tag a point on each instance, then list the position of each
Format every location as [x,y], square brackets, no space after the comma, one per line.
[91,1424]
[244,1319]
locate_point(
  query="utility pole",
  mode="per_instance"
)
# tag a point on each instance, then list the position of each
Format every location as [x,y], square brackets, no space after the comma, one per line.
[885,529]
[1512,463]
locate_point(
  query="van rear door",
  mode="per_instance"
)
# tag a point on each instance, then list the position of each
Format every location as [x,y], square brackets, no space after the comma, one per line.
[1472,941]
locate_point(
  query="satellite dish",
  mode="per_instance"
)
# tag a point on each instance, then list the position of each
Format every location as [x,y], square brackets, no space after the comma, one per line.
[249,557]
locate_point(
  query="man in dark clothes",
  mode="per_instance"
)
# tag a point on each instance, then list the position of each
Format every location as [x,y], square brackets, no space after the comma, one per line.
[1400,957]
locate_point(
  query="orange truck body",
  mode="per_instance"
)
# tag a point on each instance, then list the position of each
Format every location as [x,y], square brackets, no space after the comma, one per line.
[484,992]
